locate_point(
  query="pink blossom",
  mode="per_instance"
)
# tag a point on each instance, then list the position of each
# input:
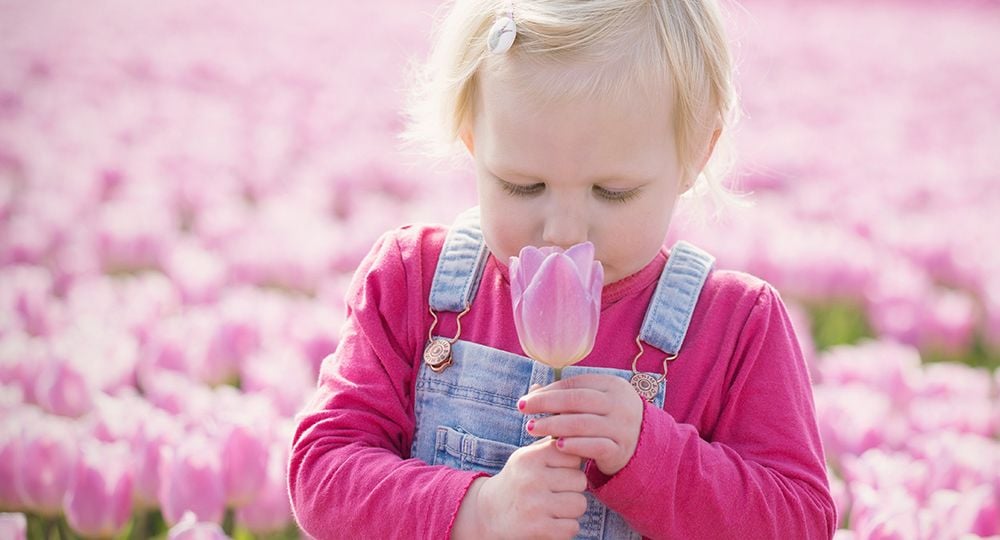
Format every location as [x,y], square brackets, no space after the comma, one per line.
[198,273]
[156,435]
[244,463]
[99,500]
[882,365]
[191,528]
[43,464]
[885,471]
[853,418]
[191,480]
[22,358]
[26,293]
[13,526]
[271,510]
[890,514]
[948,322]
[557,302]
[63,389]
[284,377]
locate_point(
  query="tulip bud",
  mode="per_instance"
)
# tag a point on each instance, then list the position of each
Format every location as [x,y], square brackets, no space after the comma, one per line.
[556,299]
[44,464]
[271,511]
[191,479]
[189,528]
[244,464]
[99,500]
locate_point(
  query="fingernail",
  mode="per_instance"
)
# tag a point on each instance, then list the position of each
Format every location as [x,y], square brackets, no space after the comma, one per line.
[520,404]
[560,443]
[531,424]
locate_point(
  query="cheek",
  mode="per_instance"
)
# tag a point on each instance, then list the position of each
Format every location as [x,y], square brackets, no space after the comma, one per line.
[505,228]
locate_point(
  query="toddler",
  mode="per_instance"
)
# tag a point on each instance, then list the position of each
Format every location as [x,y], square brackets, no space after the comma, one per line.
[693,415]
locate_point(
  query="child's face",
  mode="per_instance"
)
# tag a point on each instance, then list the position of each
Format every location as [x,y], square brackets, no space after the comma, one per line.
[574,169]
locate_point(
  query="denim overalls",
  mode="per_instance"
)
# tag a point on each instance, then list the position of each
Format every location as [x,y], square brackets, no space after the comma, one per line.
[466,414]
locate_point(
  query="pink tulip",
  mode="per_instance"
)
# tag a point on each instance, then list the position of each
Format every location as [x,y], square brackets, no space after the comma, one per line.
[10,454]
[283,376]
[885,471]
[198,273]
[158,432]
[99,500]
[22,358]
[13,527]
[44,464]
[889,367]
[244,464]
[890,514]
[189,528]
[62,388]
[191,479]
[556,298]
[853,418]
[271,510]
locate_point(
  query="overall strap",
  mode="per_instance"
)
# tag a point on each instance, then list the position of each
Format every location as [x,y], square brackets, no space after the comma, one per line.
[672,306]
[460,266]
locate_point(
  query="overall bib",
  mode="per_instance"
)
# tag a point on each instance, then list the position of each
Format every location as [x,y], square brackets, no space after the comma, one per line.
[466,414]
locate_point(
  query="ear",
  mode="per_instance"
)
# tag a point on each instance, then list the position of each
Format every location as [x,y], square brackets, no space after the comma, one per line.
[690,180]
[468,139]
[711,148]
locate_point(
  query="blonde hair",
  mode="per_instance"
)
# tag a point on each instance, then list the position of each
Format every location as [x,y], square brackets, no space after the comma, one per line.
[649,44]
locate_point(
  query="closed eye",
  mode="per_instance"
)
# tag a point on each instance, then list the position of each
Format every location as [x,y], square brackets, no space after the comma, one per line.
[615,195]
[519,190]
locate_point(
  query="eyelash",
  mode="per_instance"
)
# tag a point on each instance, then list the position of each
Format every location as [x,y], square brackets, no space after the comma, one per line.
[518,190]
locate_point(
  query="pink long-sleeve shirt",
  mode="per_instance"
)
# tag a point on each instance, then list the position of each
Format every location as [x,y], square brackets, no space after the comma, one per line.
[734,453]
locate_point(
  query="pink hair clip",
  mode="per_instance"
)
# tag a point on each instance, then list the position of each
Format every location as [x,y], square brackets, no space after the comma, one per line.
[503,32]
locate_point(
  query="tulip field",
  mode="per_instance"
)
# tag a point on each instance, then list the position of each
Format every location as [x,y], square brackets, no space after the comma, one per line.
[186,188]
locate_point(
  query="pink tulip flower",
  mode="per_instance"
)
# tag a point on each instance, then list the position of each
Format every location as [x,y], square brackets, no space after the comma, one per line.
[99,500]
[244,464]
[13,526]
[191,479]
[62,388]
[190,528]
[44,465]
[198,273]
[271,510]
[890,514]
[556,298]
[157,433]
[10,454]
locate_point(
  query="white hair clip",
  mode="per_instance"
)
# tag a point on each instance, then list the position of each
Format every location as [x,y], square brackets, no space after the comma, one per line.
[503,32]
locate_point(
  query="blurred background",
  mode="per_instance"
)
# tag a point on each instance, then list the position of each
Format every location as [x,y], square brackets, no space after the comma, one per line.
[186,188]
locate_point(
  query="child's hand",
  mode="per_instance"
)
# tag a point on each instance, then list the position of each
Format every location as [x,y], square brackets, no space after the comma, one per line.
[594,416]
[537,494]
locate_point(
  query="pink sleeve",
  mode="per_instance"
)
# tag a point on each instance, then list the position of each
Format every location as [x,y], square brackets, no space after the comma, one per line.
[348,473]
[761,474]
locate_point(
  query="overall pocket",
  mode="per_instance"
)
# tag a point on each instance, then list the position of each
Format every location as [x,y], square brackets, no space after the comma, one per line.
[459,449]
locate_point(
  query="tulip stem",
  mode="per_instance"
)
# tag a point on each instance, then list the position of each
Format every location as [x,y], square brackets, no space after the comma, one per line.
[558,373]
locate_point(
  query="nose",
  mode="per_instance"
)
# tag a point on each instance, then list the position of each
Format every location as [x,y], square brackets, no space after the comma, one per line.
[565,224]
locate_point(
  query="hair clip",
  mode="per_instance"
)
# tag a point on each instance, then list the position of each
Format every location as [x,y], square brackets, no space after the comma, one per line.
[503,32]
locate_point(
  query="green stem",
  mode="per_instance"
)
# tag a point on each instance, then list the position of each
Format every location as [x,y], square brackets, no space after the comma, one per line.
[558,373]
[229,521]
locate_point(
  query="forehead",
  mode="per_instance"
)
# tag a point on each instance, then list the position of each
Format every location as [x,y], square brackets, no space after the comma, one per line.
[573,119]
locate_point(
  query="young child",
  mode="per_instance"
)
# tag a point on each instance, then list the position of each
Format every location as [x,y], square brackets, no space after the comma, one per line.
[586,120]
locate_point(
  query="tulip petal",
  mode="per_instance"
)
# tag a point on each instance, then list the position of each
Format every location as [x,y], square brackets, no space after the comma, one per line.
[557,314]
[583,257]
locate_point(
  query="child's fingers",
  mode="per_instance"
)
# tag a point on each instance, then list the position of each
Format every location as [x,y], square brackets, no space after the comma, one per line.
[599,449]
[555,401]
[568,479]
[573,425]
[569,505]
